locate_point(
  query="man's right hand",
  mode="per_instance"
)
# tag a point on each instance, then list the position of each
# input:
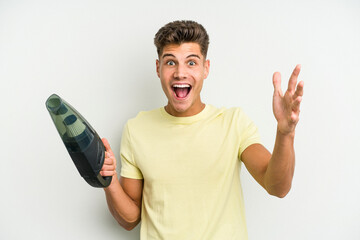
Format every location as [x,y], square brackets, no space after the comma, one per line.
[109,166]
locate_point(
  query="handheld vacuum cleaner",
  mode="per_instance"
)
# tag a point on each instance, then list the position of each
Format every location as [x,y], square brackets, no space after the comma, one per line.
[81,141]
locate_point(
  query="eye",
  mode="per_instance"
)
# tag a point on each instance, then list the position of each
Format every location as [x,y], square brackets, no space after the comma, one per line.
[192,63]
[170,63]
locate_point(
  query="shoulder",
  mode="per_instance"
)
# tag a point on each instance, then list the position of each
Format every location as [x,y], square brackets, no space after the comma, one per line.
[144,118]
[228,113]
[146,115]
[234,118]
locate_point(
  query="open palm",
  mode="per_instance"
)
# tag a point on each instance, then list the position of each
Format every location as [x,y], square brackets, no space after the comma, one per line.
[286,107]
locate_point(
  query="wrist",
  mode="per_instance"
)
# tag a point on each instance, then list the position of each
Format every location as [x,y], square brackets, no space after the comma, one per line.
[285,133]
[113,185]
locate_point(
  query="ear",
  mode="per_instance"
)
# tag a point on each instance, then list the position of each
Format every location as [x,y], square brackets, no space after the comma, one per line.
[207,68]
[158,67]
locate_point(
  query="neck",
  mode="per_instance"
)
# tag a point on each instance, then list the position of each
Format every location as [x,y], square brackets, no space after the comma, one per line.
[187,113]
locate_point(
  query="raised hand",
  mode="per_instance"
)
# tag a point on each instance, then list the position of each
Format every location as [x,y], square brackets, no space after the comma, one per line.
[286,107]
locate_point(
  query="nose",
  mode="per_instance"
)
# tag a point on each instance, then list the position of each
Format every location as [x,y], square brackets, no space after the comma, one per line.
[180,72]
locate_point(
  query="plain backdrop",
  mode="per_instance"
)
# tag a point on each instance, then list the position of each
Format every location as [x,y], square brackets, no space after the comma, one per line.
[100,57]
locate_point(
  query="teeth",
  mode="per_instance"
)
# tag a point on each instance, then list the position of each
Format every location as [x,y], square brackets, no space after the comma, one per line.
[181,86]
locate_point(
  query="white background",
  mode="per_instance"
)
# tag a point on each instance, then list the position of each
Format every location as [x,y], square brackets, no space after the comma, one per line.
[100,57]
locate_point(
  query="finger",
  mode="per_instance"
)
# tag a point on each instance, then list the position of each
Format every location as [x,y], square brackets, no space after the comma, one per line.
[109,155]
[107,173]
[296,104]
[107,145]
[299,89]
[108,168]
[109,161]
[293,78]
[294,117]
[277,83]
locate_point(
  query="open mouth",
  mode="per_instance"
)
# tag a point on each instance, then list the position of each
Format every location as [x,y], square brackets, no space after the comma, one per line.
[181,90]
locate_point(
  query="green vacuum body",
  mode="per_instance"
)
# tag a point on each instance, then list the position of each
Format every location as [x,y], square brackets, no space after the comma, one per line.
[81,141]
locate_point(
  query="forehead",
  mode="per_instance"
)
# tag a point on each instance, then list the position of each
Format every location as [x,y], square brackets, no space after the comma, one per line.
[182,50]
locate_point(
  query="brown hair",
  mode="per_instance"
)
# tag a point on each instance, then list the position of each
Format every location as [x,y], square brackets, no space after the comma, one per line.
[179,32]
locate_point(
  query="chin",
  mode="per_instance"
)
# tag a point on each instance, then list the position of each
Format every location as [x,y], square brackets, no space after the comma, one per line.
[180,108]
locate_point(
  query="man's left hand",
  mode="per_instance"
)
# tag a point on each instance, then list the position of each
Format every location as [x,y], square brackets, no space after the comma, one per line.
[286,107]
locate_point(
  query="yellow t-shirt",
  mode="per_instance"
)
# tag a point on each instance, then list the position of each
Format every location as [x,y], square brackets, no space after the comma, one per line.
[190,167]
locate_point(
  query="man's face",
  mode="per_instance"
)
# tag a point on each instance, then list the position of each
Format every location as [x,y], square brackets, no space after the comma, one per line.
[182,70]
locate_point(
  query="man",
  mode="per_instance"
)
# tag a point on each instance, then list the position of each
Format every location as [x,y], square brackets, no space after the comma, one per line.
[180,163]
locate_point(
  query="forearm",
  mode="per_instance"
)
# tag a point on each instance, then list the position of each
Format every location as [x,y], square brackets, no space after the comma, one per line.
[121,206]
[280,170]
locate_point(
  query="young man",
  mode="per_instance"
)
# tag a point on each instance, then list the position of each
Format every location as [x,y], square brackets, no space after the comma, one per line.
[180,163]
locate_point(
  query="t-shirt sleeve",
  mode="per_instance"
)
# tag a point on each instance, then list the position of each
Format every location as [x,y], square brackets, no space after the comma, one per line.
[248,132]
[129,169]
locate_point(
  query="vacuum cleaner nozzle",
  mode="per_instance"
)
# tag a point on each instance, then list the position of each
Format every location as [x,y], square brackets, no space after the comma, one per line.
[81,141]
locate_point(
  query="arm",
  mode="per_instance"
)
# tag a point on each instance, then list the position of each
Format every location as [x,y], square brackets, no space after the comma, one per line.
[275,171]
[123,197]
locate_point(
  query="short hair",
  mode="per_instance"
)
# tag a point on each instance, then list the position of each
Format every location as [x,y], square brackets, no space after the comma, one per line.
[179,32]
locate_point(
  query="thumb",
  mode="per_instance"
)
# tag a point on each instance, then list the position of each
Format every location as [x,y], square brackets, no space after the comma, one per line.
[277,83]
[107,145]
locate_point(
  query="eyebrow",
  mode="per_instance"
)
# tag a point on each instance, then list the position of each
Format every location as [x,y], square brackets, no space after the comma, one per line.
[172,55]
[193,55]
[167,55]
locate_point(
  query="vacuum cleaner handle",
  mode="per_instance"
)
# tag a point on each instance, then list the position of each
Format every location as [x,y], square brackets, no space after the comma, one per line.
[99,181]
